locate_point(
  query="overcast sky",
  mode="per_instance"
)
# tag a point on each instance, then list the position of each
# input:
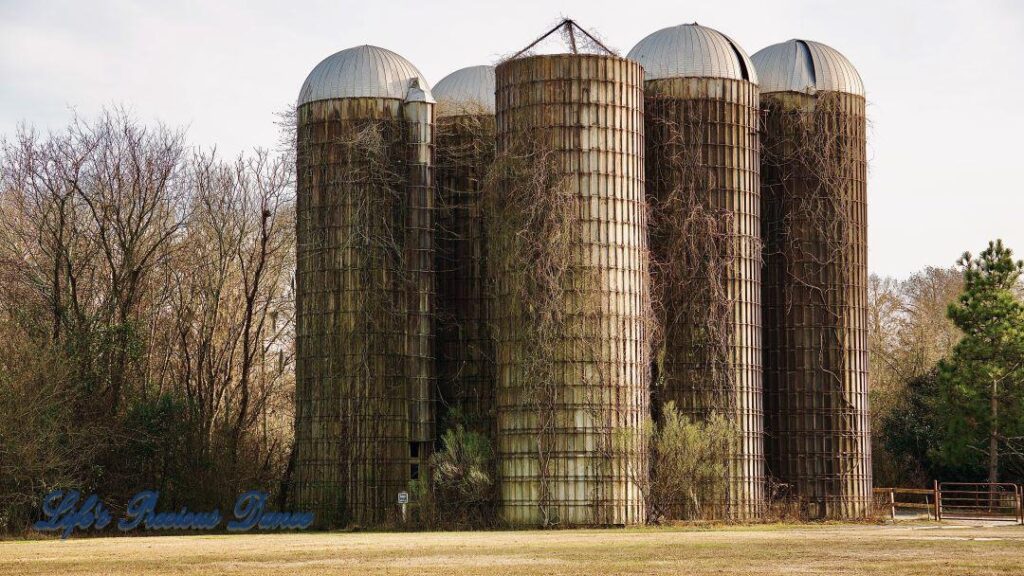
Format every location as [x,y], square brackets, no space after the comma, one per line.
[944,80]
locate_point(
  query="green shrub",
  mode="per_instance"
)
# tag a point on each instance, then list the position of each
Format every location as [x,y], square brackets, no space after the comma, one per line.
[689,466]
[462,480]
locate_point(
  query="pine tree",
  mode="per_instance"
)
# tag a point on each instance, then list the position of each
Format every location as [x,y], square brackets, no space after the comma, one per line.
[982,382]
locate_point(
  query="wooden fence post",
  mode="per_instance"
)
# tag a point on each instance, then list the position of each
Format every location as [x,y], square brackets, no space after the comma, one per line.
[1019,491]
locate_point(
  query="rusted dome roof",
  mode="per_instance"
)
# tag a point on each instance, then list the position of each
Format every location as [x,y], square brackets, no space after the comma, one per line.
[805,66]
[466,90]
[365,72]
[692,50]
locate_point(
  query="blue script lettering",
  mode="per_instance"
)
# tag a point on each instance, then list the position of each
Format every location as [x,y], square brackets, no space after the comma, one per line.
[250,511]
[142,511]
[63,513]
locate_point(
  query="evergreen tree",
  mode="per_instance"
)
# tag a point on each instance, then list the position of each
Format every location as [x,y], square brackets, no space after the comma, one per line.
[981,384]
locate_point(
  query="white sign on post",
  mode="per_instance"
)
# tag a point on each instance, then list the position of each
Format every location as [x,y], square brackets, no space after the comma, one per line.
[403,499]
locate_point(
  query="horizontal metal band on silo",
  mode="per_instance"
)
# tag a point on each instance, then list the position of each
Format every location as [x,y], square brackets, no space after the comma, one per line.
[702,141]
[814,175]
[577,460]
[363,298]
[464,152]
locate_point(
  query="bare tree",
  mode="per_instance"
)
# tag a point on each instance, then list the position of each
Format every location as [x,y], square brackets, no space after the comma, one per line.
[160,282]
[231,295]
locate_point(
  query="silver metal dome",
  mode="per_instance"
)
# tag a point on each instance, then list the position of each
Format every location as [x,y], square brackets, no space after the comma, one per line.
[691,50]
[365,72]
[805,66]
[465,90]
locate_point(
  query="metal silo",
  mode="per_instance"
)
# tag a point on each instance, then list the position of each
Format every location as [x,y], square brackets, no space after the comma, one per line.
[814,218]
[567,224]
[464,152]
[364,417]
[703,186]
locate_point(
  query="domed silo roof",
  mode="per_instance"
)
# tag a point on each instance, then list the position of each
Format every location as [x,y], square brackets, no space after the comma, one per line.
[466,90]
[805,66]
[365,72]
[692,50]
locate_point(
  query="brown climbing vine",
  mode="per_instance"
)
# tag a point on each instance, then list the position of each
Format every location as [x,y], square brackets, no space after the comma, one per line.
[815,226]
[354,223]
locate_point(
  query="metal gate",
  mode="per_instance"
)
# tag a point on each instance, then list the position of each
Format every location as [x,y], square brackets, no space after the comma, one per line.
[979,501]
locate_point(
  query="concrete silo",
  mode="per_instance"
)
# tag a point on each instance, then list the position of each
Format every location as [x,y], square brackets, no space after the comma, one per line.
[814,216]
[464,152]
[566,221]
[703,186]
[364,285]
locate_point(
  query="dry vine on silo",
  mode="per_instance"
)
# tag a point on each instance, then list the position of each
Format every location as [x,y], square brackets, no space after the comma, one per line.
[464,152]
[532,218]
[354,226]
[464,470]
[814,214]
[694,248]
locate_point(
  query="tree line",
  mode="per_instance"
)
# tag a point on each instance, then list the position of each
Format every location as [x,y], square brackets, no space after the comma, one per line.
[947,372]
[146,330]
[146,314]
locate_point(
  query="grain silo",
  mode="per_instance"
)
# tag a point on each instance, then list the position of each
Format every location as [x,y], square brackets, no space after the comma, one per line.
[364,417]
[703,186]
[464,152]
[814,219]
[566,220]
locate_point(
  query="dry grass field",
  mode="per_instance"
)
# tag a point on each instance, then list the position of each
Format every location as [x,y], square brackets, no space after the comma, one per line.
[761,550]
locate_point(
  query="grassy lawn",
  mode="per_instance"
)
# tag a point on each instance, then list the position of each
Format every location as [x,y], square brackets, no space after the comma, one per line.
[764,550]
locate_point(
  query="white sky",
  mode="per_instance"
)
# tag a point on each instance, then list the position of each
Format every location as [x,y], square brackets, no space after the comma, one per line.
[944,80]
